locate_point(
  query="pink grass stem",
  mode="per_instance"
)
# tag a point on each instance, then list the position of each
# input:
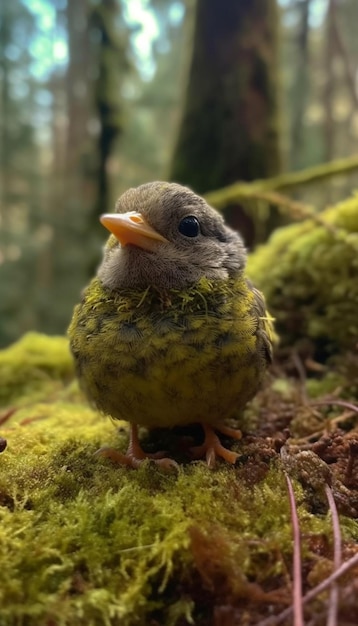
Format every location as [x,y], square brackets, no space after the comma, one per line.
[346,405]
[343,569]
[297,565]
[337,558]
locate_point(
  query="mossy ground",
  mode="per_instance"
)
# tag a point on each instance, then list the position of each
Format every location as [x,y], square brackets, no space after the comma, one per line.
[84,542]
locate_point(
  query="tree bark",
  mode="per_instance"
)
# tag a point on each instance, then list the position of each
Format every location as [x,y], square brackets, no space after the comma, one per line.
[300,88]
[229,128]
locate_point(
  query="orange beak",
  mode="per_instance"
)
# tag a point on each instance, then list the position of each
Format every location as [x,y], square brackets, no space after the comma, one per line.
[131,228]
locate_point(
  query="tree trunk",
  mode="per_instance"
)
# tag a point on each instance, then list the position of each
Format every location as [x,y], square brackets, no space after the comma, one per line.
[79,96]
[229,129]
[111,59]
[300,88]
[328,95]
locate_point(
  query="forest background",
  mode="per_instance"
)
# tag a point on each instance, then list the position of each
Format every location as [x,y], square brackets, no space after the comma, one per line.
[98,96]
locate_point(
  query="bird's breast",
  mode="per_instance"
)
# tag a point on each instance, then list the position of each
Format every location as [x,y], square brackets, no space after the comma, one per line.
[169,359]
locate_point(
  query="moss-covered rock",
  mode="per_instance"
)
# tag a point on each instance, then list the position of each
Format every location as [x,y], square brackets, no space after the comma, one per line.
[309,272]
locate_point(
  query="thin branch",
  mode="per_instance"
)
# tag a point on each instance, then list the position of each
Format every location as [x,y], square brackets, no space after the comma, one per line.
[4,417]
[239,191]
[296,210]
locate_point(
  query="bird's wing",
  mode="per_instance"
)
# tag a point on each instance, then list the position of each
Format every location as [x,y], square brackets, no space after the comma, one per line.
[265,330]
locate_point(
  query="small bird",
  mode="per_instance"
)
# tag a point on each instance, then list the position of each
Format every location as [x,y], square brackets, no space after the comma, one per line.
[171,332]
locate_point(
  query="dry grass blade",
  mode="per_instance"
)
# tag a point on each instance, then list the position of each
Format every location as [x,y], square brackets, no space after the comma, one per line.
[343,569]
[297,565]
[347,405]
[337,559]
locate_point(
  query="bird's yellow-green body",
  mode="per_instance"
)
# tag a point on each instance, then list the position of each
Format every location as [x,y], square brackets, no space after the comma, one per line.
[196,355]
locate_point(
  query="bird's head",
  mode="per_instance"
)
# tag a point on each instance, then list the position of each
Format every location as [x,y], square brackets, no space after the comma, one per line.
[164,235]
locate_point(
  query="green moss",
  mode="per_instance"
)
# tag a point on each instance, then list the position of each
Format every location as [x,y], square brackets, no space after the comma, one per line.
[327,385]
[308,272]
[31,367]
[88,543]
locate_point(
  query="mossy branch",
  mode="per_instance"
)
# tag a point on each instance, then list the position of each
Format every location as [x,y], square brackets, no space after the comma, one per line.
[263,189]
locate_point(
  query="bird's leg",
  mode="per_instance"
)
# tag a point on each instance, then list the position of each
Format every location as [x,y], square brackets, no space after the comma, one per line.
[212,447]
[135,456]
[234,433]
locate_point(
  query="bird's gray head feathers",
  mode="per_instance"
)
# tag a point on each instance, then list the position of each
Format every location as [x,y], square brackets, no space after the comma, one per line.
[199,244]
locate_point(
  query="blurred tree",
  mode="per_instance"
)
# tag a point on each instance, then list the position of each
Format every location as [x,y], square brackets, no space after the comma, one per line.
[330,53]
[95,72]
[110,42]
[57,129]
[153,96]
[21,185]
[347,19]
[340,76]
[300,85]
[62,266]
[320,62]
[79,83]
[229,129]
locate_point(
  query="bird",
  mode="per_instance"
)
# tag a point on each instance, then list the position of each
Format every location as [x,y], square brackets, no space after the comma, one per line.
[170,331]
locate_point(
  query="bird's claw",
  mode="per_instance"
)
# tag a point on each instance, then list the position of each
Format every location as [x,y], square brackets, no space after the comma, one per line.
[135,460]
[212,447]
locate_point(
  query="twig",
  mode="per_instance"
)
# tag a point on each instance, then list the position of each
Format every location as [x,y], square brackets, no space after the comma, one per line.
[240,190]
[328,426]
[6,416]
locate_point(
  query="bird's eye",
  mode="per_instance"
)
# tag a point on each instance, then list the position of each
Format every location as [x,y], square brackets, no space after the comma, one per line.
[189,226]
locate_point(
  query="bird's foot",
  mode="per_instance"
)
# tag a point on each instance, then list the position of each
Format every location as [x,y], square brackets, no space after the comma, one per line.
[234,433]
[135,456]
[131,459]
[212,447]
